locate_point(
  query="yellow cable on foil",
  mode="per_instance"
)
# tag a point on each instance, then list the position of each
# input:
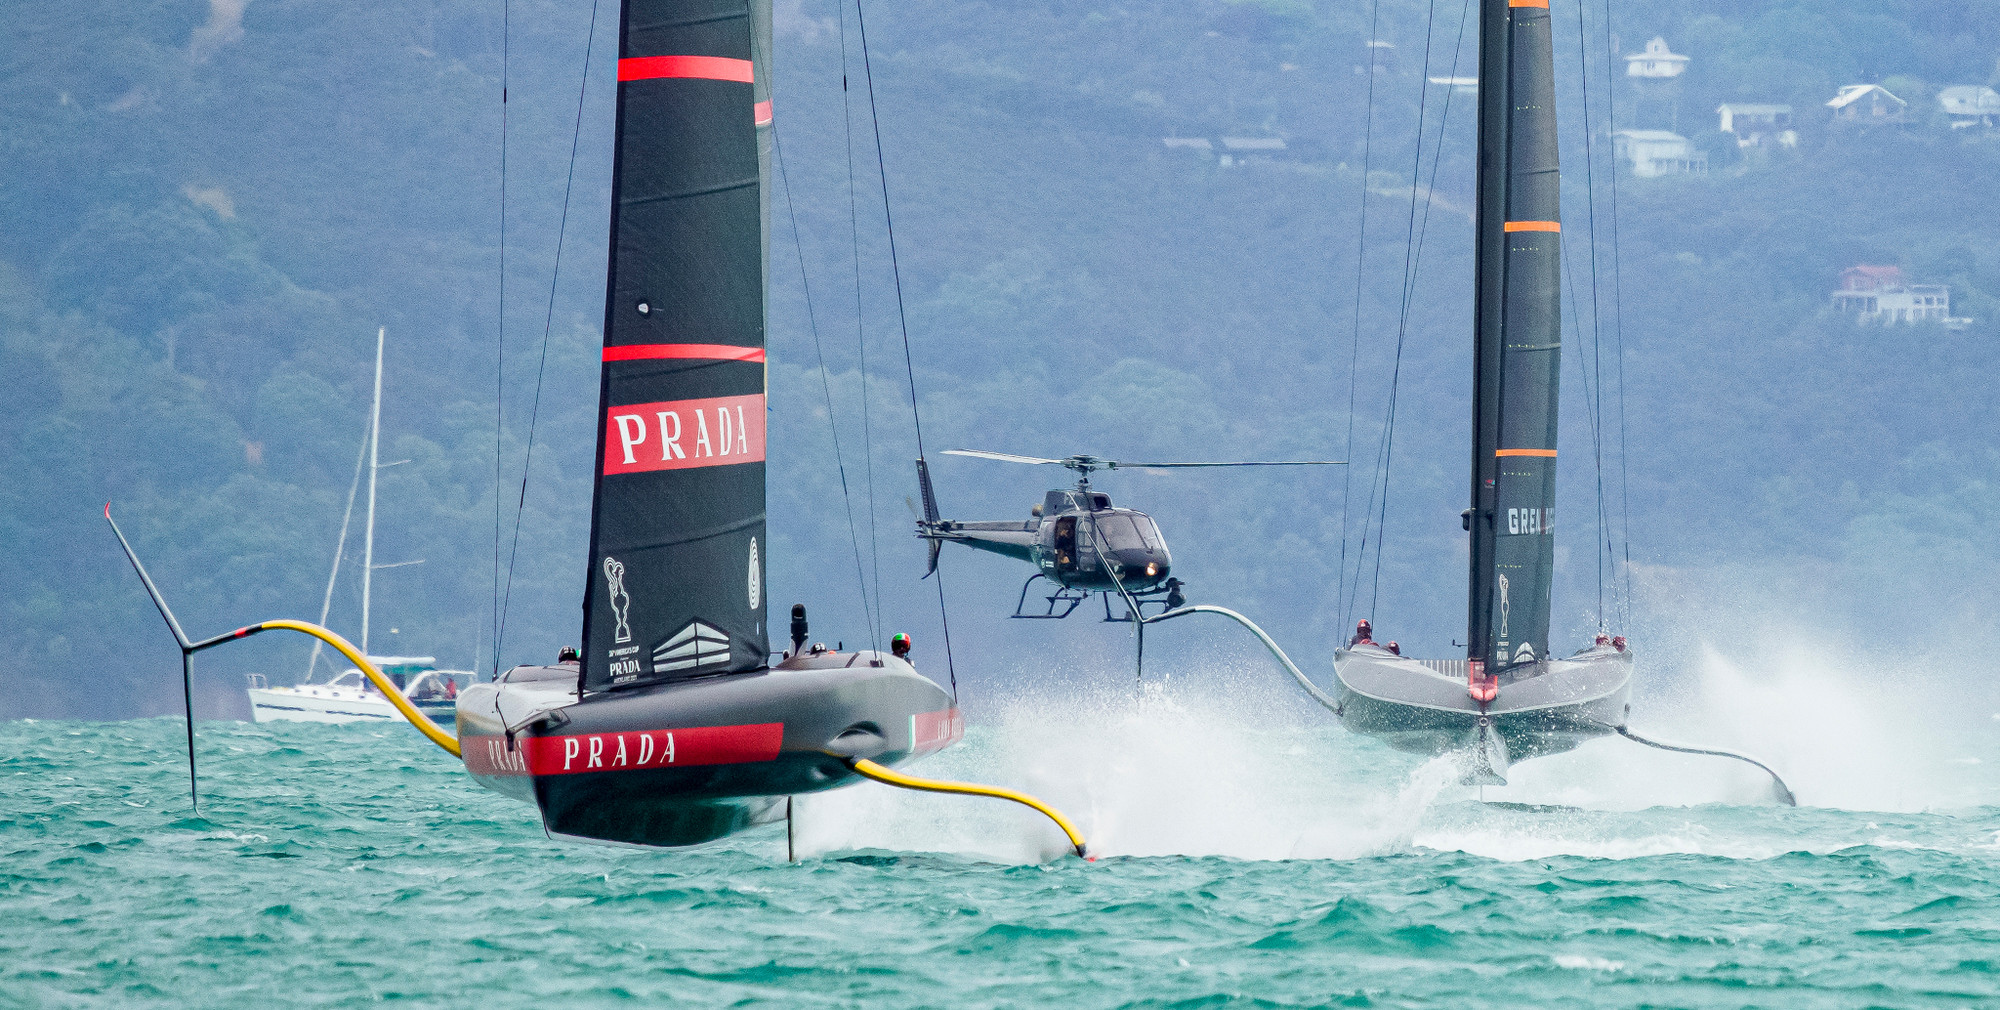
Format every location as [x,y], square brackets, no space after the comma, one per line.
[383,684]
[870,769]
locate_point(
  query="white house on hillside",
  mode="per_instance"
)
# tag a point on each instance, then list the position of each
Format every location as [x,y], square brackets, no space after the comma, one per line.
[1655,61]
[1658,152]
[1970,105]
[1877,294]
[1758,125]
[1867,103]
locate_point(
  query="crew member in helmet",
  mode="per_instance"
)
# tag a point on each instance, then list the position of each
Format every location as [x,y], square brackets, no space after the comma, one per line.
[1364,634]
[899,646]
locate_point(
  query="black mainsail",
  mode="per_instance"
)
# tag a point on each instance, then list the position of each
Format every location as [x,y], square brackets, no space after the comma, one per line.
[1517,339]
[677,529]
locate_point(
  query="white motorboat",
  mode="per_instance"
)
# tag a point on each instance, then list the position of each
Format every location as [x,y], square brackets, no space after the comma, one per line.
[349,697]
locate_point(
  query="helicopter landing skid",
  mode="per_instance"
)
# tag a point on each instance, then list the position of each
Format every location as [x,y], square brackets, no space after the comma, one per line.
[1065,597]
[1139,600]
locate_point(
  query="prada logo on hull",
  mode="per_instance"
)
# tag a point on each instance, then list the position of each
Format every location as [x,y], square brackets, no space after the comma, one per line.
[633,750]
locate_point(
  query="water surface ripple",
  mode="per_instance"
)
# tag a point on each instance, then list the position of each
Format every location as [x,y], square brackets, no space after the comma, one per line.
[348,865]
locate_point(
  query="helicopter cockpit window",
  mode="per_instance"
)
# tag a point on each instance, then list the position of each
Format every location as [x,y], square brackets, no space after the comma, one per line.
[1124,533]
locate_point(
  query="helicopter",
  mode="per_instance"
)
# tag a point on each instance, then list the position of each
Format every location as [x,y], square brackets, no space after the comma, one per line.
[1079,542]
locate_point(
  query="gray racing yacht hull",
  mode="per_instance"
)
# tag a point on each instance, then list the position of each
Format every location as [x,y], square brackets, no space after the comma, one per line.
[1423,706]
[692,761]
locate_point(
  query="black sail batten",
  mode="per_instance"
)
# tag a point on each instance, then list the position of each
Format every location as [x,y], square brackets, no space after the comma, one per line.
[677,522]
[1517,338]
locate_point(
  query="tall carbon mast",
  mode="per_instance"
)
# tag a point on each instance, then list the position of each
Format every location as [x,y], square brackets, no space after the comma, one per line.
[677,535]
[1517,335]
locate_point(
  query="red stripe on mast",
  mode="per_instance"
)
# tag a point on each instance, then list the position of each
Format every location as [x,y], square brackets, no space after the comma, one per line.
[711,68]
[709,352]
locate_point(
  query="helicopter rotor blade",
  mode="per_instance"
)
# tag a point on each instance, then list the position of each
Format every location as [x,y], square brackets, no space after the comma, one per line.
[1276,462]
[1004,457]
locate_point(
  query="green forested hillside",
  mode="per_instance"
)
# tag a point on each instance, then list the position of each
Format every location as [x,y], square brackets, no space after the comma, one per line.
[205,222]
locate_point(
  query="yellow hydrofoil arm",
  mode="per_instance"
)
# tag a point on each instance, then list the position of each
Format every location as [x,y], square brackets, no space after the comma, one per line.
[869,769]
[189,647]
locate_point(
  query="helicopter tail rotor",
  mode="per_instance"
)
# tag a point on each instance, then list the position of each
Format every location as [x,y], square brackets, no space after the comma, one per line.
[931,515]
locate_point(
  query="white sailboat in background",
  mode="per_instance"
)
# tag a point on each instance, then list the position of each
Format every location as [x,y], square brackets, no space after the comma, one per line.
[348,697]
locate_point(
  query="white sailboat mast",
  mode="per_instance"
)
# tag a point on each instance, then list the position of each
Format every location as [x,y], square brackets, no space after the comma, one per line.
[374,464]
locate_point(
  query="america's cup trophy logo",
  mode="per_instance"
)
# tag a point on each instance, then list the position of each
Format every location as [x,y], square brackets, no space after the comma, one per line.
[614,576]
[1503,606]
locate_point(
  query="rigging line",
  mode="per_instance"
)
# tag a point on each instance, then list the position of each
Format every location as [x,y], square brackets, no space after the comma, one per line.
[1601,546]
[1596,329]
[1595,385]
[1367,517]
[1369,527]
[1423,227]
[860,335]
[1618,326]
[1388,453]
[340,549]
[1416,174]
[825,384]
[548,324]
[500,358]
[902,318]
[1345,607]
[1411,248]
[1361,554]
[1382,445]
[1574,320]
[1437,155]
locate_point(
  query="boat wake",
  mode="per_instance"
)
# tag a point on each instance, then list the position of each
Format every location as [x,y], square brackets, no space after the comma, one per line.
[1848,731]
[1225,770]
[1152,775]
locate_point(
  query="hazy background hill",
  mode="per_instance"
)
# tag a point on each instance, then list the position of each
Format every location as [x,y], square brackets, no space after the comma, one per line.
[209,209]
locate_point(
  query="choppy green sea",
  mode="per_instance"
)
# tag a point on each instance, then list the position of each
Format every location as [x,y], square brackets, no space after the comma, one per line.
[1243,865]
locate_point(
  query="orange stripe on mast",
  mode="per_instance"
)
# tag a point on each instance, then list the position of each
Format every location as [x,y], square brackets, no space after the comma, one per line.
[1550,453]
[1532,226]
[1543,4]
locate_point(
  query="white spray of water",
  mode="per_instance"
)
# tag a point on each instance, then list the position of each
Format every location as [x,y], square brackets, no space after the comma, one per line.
[1850,730]
[1155,775]
[1879,732]
[1225,762]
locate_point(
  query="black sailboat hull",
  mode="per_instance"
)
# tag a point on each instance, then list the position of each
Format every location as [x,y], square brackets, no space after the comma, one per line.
[1422,706]
[694,761]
